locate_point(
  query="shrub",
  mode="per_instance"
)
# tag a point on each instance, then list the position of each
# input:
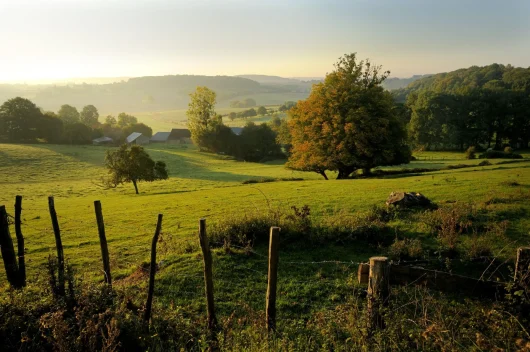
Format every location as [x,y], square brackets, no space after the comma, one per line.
[297,225]
[406,249]
[496,154]
[508,150]
[471,152]
[484,163]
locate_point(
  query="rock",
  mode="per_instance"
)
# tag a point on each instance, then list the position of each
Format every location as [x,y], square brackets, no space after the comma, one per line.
[409,200]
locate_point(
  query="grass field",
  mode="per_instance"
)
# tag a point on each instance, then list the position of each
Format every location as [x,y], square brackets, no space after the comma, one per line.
[211,186]
[161,121]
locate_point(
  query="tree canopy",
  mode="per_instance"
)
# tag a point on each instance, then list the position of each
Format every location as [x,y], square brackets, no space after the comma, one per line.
[20,120]
[347,123]
[68,114]
[202,118]
[89,115]
[133,165]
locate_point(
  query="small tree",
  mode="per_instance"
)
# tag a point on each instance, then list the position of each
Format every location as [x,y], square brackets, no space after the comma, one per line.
[68,114]
[133,165]
[89,115]
[202,119]
[262,110]
[125,120]
[471,153]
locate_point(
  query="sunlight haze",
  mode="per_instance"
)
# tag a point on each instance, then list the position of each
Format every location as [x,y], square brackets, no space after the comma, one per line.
[62,39]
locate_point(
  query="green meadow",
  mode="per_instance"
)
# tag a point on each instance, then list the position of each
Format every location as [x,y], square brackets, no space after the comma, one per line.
[312,278]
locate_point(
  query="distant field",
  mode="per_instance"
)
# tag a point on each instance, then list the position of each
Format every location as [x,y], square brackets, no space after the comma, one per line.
[161,121]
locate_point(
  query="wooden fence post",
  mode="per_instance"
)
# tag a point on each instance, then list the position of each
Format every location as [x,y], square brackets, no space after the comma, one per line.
[208,275]
[103,242]
[58,244]
[522,267]
[378,290]
[274,242]
[8,251]
[152,271]
[20,241]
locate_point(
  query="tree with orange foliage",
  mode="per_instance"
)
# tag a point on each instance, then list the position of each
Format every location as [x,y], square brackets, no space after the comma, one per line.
[347,123]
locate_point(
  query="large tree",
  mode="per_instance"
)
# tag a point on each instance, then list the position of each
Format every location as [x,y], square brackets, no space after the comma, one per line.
[68,114]
[89,115]
[347,123]
[132,165]
[20,120]
[125,120]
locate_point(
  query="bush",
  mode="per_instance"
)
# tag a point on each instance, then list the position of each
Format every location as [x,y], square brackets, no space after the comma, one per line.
[405,249]
[508,150]
[484,163]
[297,225]
[471,153]
[496,154]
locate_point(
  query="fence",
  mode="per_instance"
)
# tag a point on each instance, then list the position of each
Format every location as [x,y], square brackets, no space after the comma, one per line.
[379,274]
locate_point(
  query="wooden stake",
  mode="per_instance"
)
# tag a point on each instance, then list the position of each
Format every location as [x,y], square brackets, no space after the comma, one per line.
[522,267]
[59,245]
[274,242]
[208,275]
[103,242]
[378,290]
[152,271]
[8,251]
[20,241]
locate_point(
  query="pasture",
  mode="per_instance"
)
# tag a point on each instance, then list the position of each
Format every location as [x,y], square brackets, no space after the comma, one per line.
[166,120]
[211,186]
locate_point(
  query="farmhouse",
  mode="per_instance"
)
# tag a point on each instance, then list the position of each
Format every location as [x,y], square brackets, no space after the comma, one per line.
[102,141]
[179,135]
[160,137]
[137,138]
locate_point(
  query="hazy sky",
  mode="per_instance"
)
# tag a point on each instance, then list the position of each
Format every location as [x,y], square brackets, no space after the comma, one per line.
[42,39]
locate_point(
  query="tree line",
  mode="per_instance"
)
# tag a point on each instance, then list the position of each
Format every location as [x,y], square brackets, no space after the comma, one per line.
[480,106]
[22,121]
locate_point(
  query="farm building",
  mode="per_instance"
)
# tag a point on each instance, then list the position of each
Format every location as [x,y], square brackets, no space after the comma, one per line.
[179,135]
[102,141]
[137,138]
[237,130]
[160,137]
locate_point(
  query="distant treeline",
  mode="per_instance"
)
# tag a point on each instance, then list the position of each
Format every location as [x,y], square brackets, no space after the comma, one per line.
[478,106]
[144,93]
[21,121]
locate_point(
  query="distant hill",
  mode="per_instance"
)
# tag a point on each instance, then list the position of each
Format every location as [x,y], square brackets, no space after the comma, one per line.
[459,81]
[157,92]
[397,83]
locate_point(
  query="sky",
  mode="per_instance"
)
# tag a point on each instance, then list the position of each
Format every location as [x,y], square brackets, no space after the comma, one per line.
[61,39]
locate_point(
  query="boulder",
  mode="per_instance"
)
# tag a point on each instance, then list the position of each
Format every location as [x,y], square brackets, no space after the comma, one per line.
[409,200]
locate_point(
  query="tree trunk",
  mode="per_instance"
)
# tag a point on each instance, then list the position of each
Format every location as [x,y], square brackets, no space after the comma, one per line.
[344,173]
[323,173]
[135,186]
[367,171]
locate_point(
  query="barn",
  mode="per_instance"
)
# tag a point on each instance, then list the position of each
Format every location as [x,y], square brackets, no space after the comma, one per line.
[137,138]
[160,137]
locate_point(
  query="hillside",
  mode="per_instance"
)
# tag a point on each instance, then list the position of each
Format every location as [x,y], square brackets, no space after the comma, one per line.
[491,76]
[397,83]
[154,93]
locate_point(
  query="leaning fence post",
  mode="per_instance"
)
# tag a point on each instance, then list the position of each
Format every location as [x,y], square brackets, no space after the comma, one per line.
[274,242]
[20,241]
[8,251]
[522,267]
[152,271]
[103,242]
[208,275]
[58,244]
[378,290]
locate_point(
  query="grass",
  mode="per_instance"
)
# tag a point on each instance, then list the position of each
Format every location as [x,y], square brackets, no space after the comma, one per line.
[211,186]
[161,121]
